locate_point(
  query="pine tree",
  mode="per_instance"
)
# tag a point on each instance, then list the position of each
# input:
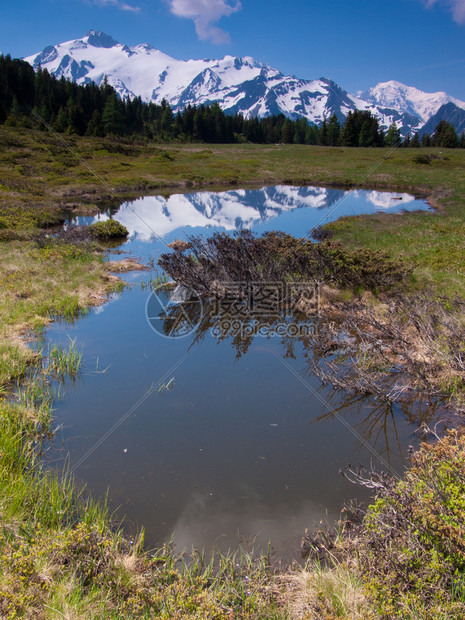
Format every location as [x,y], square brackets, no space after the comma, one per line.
[199,126]
[15,117]
[415,142]
[381,137]
[445,136]
[366,136]
[300,129]
[369,132]
[188,120]
[217,123]
[76,118]
[287,135]
[312,134]
[95,125]
[112,117]
[45,112]
[426,140]
[392,137]
[350,131]
[178,126]
[333,131]
[61,121]
[16,110]
[323,137]
[167,120]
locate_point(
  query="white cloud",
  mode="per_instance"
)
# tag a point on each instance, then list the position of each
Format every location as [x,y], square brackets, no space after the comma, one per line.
[123,6]
[205,14]
[457,7]
[127,7]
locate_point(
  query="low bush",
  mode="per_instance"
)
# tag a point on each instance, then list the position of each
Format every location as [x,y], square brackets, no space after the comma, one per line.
[109,229]
[412,550]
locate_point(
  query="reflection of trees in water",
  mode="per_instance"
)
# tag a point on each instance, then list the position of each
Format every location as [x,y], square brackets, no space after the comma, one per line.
[376,395]
[377,421]
[241,330]
[182,318]
[377,417]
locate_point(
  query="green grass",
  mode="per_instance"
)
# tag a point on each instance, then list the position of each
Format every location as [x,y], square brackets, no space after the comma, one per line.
[37,285]
[64,362]
[432,243]
[14,361]
[332,592]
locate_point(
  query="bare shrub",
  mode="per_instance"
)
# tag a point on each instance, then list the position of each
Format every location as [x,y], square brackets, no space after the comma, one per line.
[277,256]
[415,346]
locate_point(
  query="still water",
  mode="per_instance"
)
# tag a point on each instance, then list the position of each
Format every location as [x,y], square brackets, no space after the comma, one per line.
[200,440]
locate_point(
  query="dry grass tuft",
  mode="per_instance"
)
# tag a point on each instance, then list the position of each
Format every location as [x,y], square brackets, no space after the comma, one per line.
[325,593]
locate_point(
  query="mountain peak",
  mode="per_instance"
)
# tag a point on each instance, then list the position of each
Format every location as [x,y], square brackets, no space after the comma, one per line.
[240,85]
[146,47]
[393,83]
[97,38]
[450,113]
[408,99]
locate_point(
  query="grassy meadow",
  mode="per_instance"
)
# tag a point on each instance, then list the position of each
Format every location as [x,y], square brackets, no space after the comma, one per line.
[59,554]
[39,177]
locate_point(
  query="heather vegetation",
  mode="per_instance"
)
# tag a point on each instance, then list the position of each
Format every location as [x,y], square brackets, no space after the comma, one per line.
[410,548]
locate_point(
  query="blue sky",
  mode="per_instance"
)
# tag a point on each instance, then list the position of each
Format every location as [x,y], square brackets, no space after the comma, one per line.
[357,43]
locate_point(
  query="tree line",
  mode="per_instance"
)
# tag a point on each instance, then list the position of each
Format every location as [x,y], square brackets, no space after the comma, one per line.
[28,96]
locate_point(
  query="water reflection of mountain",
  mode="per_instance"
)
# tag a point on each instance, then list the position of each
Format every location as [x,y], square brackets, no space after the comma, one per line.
[232,210]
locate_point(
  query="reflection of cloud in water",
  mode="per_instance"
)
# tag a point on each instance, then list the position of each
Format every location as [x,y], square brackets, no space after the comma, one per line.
[153,216]
[209,524]
[112,297]
[385,200]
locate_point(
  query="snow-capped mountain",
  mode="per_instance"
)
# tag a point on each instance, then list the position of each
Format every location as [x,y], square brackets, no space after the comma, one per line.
[450,113]
[409,100]
[237,84]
